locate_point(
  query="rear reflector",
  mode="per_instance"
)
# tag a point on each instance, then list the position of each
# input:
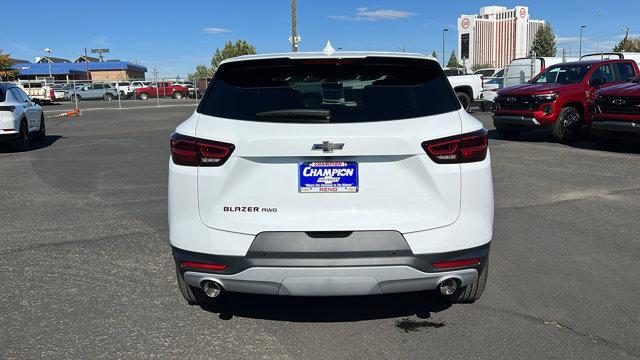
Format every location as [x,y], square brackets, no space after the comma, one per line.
[465,148]
[456,263]
[203,266]
[190,151]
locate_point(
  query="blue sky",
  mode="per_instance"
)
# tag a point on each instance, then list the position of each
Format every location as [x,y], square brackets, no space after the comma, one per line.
[175,36]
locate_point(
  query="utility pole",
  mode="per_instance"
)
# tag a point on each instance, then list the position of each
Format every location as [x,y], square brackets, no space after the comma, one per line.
[294,32]
[598,41]
[582,27]
[86,64]
[443,53]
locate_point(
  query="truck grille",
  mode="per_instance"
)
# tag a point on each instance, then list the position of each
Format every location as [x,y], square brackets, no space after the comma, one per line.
[619,105]
[516,103]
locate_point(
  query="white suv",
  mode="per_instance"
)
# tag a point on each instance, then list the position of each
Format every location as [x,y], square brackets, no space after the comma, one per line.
[318,174]
[21,120]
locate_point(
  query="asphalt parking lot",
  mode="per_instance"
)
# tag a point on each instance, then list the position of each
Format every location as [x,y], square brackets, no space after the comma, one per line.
[87,269]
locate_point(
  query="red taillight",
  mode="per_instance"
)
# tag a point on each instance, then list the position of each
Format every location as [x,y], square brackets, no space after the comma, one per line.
[456,263]
[202,266]
[465,148]
[190,151]
[52,94]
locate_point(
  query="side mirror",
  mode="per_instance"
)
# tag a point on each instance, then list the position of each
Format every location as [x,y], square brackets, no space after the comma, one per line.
[597,81]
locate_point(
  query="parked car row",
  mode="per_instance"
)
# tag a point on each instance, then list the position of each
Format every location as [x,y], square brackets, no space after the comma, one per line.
[41,90]
[602,93]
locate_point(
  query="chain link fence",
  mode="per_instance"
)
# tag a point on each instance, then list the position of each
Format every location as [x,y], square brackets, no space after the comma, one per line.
[126,93]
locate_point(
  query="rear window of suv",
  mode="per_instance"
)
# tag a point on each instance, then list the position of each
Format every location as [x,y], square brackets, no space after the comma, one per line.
[329,90]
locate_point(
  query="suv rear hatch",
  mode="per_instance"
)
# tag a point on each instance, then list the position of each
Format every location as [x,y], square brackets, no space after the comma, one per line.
[362,120]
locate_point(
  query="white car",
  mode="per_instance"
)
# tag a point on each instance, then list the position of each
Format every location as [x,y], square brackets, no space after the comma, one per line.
[330,174]
[21,120]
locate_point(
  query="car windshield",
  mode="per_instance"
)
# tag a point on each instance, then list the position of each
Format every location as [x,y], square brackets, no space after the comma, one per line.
[562,74]
[329,90]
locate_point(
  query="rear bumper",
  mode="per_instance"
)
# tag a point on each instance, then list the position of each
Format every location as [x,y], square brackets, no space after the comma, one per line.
[8,135]
[342,281]
[362,263]
[613,127]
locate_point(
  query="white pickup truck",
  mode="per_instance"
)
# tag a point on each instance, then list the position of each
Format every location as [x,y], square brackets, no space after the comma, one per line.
[467,87]
[38,90]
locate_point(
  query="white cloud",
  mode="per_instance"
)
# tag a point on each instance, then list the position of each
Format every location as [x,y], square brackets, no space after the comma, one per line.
[568,39]
[365,13]
[215,30]
[101,40]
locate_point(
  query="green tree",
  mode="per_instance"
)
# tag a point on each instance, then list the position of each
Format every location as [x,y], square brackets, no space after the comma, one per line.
[480,66]
[201,72]
[435,54]
[240,47]
[6,72]
[628,44]
[544,43]
[453,61]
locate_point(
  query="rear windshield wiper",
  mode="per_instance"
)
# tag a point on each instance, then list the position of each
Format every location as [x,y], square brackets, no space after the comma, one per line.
[312,115]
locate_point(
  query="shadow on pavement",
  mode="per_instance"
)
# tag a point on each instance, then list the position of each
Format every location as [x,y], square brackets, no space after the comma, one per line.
[328,309]
[5,147]
[584,141]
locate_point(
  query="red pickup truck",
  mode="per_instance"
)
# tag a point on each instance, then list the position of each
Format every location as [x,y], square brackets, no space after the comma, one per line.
[162,89]
[557,98]
[616,112]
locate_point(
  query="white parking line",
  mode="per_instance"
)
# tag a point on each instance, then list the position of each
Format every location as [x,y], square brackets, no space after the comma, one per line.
[115,108]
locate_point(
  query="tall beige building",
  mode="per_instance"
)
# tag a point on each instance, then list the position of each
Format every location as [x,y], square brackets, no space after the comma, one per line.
[496,35]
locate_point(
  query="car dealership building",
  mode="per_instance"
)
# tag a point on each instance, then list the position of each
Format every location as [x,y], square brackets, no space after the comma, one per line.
[496,35]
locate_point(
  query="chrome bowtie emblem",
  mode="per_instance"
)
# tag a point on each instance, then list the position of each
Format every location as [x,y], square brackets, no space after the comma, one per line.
[619,102]
[328,146]
[511,99]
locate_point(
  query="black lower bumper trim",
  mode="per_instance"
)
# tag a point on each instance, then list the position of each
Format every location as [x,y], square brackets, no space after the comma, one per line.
[616,127]
[330,258]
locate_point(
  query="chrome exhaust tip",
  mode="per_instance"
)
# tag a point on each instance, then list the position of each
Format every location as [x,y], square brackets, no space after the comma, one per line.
[212,289]
[448,286]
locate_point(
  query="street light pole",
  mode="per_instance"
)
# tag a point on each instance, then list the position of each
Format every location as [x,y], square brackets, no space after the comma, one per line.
[443,52]
[47,50]
[294,32]
[582,27]
[598,41]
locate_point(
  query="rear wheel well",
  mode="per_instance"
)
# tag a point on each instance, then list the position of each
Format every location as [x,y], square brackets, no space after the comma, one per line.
[464,89]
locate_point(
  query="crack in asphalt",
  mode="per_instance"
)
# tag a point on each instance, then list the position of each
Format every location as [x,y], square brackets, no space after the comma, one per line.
[576,197]
[593,338]
[158,232]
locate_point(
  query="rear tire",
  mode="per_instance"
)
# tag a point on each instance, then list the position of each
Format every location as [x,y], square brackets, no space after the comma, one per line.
[22,142]
[76,98]
[508,134]
[567,126]
[143,96]
[472,292]
[42,132]
[193,295]
[465,100]
[108,97]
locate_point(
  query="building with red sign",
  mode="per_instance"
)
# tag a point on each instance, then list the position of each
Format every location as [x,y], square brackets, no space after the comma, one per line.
[496,35]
